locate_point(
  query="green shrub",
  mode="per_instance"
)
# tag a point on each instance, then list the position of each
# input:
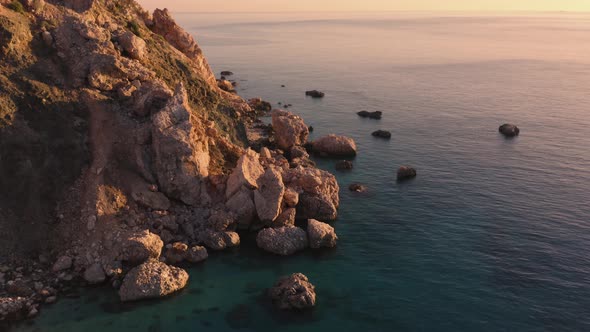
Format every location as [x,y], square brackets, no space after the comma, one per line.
[17,6]
[134,27]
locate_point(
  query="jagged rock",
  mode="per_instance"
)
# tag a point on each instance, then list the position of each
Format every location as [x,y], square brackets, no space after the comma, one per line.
[382,134]
[62,263]
[152,200]
[371,115]
[197,254]
[220,240]
[282,241]
[299,152]
[181,151]
[269,196]
[344,165]
[133,46]
[289,129]
[286,218]
[293,292]
[152,279]
[245,174]
[221,221]
[405,172]
[315,94]
[320,234]
[265,153]
[334,146]
[94,274]
[176,253]
[242,205]
[260,105]
[149,98]
[226,85]
[13,308]
[138,247]
[509,130]
[291,197]
[319,192]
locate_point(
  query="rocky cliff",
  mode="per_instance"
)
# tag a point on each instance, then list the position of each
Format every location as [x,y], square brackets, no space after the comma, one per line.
[118,148]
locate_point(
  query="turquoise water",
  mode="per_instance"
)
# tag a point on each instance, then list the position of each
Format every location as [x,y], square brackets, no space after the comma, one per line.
[493,234]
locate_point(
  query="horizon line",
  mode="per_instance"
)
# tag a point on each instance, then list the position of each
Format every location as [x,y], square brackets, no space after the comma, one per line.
[385,11]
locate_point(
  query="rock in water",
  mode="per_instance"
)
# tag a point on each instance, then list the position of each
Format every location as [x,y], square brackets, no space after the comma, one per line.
[226,73]
[334,146]
[197,254]
[319,192]
[13,308]
[344,165]
[282,241]
[357,187]
[293,292]
[289,129]
[152,279]
[315,94]
[371,115]
[509,130]
[321,234]
[269,196]
[382,134]
[138,247]
[405,172]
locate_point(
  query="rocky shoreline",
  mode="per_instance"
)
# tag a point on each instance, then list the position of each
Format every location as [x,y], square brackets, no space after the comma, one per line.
[169,167]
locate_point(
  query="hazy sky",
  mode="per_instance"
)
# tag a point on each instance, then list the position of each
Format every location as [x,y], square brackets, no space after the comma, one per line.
[366,5]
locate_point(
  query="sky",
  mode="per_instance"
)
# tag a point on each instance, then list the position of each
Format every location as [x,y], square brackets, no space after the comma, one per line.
[366,5]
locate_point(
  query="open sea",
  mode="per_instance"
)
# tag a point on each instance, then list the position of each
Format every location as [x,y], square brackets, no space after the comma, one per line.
[493,234]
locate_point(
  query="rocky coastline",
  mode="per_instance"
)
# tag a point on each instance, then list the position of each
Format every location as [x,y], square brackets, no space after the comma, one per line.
[164,161]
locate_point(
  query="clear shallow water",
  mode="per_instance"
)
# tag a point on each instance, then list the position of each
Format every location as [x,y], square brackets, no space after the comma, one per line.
[493,234]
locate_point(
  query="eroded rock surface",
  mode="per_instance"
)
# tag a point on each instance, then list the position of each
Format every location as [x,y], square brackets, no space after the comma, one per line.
[293,292]
[152,279]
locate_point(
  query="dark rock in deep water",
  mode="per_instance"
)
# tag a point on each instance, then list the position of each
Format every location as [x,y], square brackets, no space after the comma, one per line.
[382,134]
[293,292]
[344,165]
[315,94]
[371,115]
[509,130]
[405,172]
[357,187]
[226,73]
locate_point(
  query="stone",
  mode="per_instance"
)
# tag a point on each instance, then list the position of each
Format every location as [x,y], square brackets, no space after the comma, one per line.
[509,130]
[246,173]
[289,129]
[138,247]
[13,308]
[132,45]
[62,263]
[150,280]
[371,115]
[286,218]
[382,134]
[226,73]
[226,85]
[152,200]
[221,220]
[298,152]
[260,105]
[344,165]
[176,253]
[405,172]
[197,254]
[19,288]
[318,193]
[320,234]
[269,196]
[220,240]
[315,94]
[94,274]
[334,146]
[242,205]
[291,197]
[282,241]
[357,187]
[47,38]
[293,292]
[91,223]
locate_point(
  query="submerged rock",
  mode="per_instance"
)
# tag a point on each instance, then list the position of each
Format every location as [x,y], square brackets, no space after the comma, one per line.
[382,134]
[293,292]
[334,146]
[371,115]
[344,165]
[321,234]
[509,130]
[357,187]
[152,279]
[315,94]
[405,172]
[282,241]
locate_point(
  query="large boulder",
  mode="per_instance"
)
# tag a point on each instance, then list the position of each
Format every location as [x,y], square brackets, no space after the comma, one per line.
[509,130]
[220,240]
[334,146]
[176,252]
[62,263]
[197,254]
[138,247]
[269,196]
[319,192]
[152,200]
[180,150]
[289,129]
[245,174]
[320,234]
[94,274]
[242,205]
[282,241]
[293,292]
[371,115]
[132,45]
[152,279]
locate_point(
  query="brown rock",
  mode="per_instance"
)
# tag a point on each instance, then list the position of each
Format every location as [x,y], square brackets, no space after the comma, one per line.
[269,196]
[138,247]
[132,45]
[320,234]
[242,205]
[94,274]
[291,197]
[282,241]
[293,292]
[152,279]
[62,263]
[13,308]
[286,218]
[177,253]
[197,254]
[220,240]
[152,200]
[290,130]
[334,146]
[246,173]
[405,172]
[509,130]
[319,192]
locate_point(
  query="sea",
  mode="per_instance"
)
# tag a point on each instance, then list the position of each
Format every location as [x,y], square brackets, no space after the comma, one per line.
[492,235]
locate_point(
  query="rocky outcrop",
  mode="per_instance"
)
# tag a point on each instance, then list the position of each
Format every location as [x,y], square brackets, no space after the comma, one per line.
[152,200]
[245,174]
[293,292]
[220,240]
[315,94]
[150,280]
[344,165]
[13,308]
[509,130]
[196,254]
[282,241]
[382,134]
[138,247]
[371,115]
[405,173]
[242,205]
[94,274]
[334,146]
[181,151]
[289,129]
[132,45]
[318,192]
[357,187]
[320,234]
[269,196]
[226,86]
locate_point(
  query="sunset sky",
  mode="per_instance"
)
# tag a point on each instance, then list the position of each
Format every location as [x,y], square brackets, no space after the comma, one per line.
[367,5]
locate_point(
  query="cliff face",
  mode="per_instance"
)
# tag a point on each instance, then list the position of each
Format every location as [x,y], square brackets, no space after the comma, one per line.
[99,99]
